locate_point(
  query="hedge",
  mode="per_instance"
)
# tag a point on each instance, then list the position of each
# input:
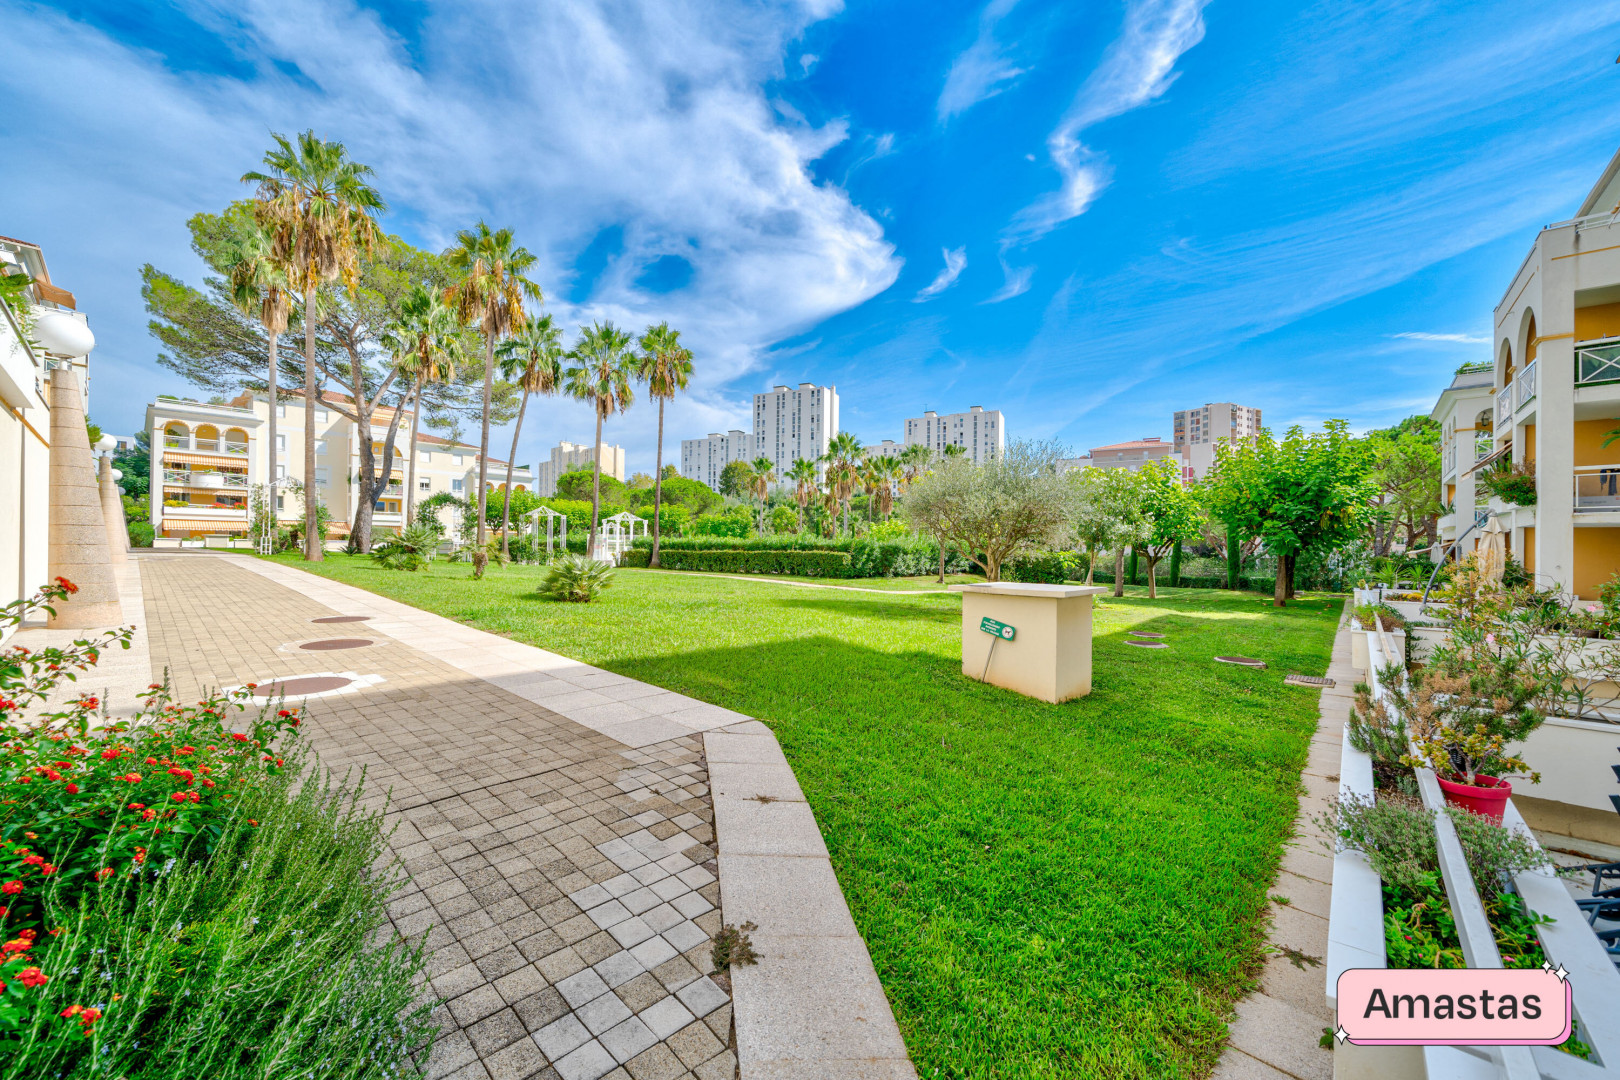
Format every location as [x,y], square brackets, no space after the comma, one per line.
[1249,584]
[867,558]
[805,563]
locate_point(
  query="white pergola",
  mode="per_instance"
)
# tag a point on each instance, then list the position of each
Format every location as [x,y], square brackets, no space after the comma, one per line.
[553,520]
[616,535]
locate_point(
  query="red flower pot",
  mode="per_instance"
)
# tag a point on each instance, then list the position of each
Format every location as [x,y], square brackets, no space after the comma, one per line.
[1489,797]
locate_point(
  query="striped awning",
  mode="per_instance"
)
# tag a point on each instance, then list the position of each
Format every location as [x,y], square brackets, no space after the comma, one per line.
[194,525]
[1489,460]
[175,457]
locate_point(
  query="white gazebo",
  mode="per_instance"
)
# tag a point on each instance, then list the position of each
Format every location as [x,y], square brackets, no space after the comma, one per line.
[553,521]
[615,536]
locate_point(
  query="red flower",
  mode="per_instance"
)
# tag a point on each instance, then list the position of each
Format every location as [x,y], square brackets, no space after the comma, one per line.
[238,736]
[48,868]
[72,1011]
[133,777]
[148,815]
[186,750]
[66,584]
[185,775]
[284,712]
[11,888]
[104,873]
[34,860]
[17,945]
[137,806]
[151,761]
[32,976]
[252,822]
[108,755]
[178,796]
[73,789]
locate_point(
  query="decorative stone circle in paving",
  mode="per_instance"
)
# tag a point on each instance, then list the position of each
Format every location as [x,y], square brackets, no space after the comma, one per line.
[320,684]
[1242,661]
[1312,681]
[1143,633]
[1148,644]
[341,618]
[334,644]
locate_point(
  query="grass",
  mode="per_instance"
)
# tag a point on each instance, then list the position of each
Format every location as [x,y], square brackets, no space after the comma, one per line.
[1071,890]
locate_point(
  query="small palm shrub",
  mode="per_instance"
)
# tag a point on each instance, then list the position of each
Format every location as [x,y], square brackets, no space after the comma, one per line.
[412,549]
[575,578]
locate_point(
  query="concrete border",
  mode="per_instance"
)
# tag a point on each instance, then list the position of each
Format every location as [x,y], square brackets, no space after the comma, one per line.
[813,1008]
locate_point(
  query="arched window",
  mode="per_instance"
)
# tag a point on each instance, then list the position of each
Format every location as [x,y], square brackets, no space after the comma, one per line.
[176,436]
[207,437]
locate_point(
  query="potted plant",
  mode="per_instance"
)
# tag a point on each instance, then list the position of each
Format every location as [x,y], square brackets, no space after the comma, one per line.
[1512,483]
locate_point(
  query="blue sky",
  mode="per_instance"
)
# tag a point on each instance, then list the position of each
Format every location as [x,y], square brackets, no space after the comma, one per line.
[1086,214]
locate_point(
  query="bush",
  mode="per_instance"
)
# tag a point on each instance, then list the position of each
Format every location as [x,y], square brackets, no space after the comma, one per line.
[575,578]
[1046,567]
[727,525]
[141,534]
[804,563]
[410,550]
[867,558]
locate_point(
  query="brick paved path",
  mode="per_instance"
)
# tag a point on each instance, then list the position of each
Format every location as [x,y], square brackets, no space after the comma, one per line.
[569,882]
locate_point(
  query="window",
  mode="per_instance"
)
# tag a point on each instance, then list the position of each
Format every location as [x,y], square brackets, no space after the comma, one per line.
[455,485]
[281,444]
[322,416]
[281,411]
[456,460]
[281,472]
[424,484]
[320,474]
[427,458]
[281,502]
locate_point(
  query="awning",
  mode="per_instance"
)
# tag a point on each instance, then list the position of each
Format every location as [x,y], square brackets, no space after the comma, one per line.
[1490,459]
[193,525]
[175,457]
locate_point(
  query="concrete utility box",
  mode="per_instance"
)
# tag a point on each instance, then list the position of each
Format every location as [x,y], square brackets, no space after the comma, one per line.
[1040,634]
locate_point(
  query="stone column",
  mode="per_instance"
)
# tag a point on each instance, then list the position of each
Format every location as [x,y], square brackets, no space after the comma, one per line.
[112,512]
[78,534]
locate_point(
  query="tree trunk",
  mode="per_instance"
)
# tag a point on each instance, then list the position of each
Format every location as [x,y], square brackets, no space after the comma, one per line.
[1091,565]
[314,545]
[1152,560]
[480,550]
[596,488]
[270,385]
[1234,556]
[410,479]
[1132,572]
[658,488]
[506,509]
[1119,570]
[1290,577]
[1175,565]
[1279,595]
[942,559]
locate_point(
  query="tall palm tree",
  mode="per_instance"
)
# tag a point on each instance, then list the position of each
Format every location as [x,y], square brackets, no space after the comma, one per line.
[805,484]
[318,209]
[843,459]
[259,288]
[531,358]
[760,481]
[884,472]
[664,365]
[601,375]
[426,341]
[490,293]
[914,461]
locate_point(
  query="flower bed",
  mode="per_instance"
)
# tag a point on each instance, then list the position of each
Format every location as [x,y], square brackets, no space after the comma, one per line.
[181,895]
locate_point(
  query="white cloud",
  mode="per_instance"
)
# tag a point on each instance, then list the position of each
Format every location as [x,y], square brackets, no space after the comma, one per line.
[1016,284]
[1138,68]
[1460,339]
[955,263]
[980,71]
[807,62]
[559,120]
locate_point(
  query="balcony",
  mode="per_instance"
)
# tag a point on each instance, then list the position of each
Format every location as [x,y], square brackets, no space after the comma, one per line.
[1597,489]
[202,479]
[1504,407]
[204,446]
[1597,362]
[1524,387]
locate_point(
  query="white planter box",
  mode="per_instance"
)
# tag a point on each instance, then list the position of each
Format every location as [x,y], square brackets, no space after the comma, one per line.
[1358,645]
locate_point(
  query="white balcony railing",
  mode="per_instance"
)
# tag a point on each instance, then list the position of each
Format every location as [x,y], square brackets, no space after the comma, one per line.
[1524,387]
[1504,406]
[207,446]
[1483,445]
[1451,456]
[177,476]
[1597,362]
[234,480]
[236,448]
[1597,488]
[200,479]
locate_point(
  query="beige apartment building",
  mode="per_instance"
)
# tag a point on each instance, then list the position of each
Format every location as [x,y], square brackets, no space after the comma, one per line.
[1556,386]
[206,459]
[567,455]
[1464,413]
[1197,432]
[1128,455]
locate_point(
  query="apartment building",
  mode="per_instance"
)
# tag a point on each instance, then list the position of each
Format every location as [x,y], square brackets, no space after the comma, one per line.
[1197,432]
[1464,413]
[567,455]
[206,459]
[790,424]
[886,448]
[1556,384]
[982,433]
[62,335]
[1130,455]
[704,459]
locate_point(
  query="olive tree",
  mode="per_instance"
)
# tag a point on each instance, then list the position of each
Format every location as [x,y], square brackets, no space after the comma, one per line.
[1013,504]
[1105,516]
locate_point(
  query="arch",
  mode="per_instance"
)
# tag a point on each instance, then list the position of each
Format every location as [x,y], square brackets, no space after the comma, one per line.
[206,437]
[235,435]
[519,487]
[1527,335]
[1504,363]
[176,436]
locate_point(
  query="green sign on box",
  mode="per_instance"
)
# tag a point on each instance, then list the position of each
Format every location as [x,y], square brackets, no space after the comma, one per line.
[997,629]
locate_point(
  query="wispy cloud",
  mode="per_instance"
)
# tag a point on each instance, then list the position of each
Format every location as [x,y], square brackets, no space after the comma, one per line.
[1459,339]
[955,263]
[982,70]
[1016,284]
[1137,68]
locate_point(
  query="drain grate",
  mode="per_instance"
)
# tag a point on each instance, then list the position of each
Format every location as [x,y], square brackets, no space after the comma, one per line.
[334,644]
[1148,644]
[1242,661]
[341,618]
[1143,633]
[1313,681]
[315,684]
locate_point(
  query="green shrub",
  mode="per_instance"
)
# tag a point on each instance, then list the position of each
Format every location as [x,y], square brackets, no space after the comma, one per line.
[639,558]
[867,558]
[141,534]
[804,563]
[411,549]
[1046,567]
[728,524]
[575,578]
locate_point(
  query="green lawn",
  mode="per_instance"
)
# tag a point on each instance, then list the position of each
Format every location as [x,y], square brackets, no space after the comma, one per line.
[1047,891]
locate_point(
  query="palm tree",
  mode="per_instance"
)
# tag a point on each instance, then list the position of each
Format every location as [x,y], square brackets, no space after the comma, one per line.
[532,359]
[664,365]
[259,287]
[318,209]
[805,483]
[764,475]
[490,294]
[426,342]
[843,458]
[884,472]
[914,461]
[601,376]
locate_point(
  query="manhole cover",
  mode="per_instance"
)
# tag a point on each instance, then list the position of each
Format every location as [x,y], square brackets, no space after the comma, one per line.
[1242,661]
[1307,680]
[1148,644]
[333,644]
[1143,633]
[341,618]
[315,684]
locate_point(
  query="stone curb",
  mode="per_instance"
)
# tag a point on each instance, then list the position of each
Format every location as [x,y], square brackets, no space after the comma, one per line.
[813,1006]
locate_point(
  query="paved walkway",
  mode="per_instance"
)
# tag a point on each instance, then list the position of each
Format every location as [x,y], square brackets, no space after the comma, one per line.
[1278,1029]
[567,880]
